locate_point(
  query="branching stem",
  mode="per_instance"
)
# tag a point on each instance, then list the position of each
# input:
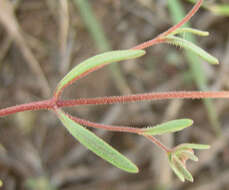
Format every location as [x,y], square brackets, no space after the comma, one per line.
[55,102]
[105,127]
[49,104]
[160,38]
[119,129]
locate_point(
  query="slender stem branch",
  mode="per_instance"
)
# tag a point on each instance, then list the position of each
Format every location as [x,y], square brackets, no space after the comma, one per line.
[184,20]
[160,37]
[158,143]
[143,97]
[105,127]
[57,93]
[119,129]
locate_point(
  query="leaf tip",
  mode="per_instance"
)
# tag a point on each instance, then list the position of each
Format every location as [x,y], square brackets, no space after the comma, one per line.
[140,52]
[217,62]
[189,122]
[213,60]
[136,170]
[207,146]
[190,179]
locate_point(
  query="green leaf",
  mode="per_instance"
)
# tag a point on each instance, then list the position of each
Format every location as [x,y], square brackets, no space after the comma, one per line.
[177,172]
[174,168]
[181,168]
[96,29]
[190,30]
[98,61]
[192,47]
[168,127]
[192,146]
[96,145]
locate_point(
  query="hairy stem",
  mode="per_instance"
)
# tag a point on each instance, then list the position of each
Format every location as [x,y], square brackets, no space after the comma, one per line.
[119,129]
[143,97]
[46,104]
[105,127]
[50,104]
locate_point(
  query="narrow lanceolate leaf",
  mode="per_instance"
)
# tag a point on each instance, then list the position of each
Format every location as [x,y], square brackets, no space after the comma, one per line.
[190,30]
[177,172]
[168,127]
[181,168]
[96,145]
[192,146]
[98,61]
[175,169]
[192,47]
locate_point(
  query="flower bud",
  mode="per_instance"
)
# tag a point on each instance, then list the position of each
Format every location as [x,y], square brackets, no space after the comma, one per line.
[178,157]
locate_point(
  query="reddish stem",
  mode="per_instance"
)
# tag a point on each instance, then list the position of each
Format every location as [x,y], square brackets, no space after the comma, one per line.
[50,104]
[57,94]
[105,127]
[160,37]
[158,143]
[143,97]
[119,129]
[46,104]
[54,103]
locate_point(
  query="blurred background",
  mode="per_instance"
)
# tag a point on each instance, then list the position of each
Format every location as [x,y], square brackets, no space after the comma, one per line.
[41,40]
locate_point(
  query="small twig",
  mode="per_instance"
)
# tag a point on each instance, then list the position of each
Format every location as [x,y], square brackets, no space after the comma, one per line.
[160,37]
[119,129]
